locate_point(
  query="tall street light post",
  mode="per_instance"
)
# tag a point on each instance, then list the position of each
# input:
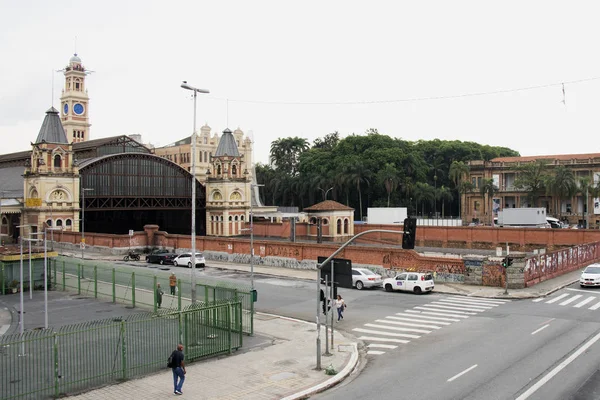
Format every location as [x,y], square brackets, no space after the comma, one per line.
[185,85]
[83,190]
[325,192]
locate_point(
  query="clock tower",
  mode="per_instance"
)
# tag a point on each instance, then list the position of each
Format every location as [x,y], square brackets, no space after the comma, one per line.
[74,102]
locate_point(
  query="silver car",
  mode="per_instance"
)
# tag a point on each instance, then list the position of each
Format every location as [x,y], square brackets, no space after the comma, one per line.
[185,259]
[365,278]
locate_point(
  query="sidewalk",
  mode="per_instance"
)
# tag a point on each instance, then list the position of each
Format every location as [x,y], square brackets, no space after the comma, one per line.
[283,367]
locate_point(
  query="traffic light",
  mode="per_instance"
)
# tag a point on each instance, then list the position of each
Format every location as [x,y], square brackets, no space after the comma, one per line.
[410,232]
[505,262]
[509,261]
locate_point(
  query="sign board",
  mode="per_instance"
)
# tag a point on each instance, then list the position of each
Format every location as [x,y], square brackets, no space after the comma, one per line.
[33,202]
[131,232]
[82,245]
[342,271]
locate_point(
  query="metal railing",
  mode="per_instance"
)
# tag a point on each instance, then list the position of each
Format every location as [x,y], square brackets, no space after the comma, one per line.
[136,288]
[47,363]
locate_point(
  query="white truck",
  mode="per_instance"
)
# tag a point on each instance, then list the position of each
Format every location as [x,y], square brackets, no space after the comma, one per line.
[386,215]
[523,217]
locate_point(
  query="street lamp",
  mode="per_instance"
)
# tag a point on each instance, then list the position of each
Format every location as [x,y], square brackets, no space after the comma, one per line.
[185,85]
[83,190]
[325,192]
[252,186]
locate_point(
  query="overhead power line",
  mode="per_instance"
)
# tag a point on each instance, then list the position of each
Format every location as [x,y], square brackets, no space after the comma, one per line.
[413,99]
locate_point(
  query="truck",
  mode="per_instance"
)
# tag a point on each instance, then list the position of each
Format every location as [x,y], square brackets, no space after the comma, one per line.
[386,215]
[523,217]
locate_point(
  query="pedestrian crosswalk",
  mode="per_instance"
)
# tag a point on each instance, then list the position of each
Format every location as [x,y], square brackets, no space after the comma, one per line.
[581,300]
[395,330]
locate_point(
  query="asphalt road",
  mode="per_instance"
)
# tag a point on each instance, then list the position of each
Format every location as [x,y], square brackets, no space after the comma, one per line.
[437,346]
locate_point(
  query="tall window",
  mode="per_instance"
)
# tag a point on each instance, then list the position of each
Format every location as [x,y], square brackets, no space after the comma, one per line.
[57,161]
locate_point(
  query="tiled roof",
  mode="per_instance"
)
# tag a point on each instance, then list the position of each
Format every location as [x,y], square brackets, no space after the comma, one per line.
[52,130]
[551,157]
[11,182]
[328,205]
[227,145]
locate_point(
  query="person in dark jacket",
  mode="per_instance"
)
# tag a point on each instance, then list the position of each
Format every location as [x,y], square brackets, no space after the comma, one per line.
[178,368]
[159,294]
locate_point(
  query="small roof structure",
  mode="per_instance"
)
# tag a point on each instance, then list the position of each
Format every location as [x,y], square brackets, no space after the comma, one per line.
[227,145]
[328,205]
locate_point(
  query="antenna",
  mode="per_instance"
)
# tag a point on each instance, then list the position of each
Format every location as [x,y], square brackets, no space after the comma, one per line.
[75,44]
[227,125]
[52,94]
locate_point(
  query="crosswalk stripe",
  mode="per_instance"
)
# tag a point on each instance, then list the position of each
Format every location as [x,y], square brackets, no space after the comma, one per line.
[421,314]
[417,323]
[419,320]
[595,306]
[455,307]
[557,298]
[584,302]
[387,321]
[464,303]
[375,352]
[393,334]
[572,299]
[443,309]
[378,339]
[381,346]
[482,300]
[540,299]
[431,312]
[397,328]
[470,301]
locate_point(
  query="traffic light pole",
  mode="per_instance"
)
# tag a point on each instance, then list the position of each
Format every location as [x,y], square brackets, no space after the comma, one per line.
[506,270]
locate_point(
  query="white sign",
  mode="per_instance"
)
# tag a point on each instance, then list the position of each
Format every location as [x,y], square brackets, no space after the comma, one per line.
[131,232]
[82,245]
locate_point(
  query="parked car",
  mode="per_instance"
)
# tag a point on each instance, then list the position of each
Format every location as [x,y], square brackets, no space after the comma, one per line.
[185,259]
[365,278]
[161,257]
[590,276]
[417,282]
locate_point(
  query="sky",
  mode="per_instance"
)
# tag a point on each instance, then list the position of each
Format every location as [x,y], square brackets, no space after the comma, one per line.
[481,71]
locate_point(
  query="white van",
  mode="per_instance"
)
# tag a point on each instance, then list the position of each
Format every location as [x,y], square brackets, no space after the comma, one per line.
[554,222]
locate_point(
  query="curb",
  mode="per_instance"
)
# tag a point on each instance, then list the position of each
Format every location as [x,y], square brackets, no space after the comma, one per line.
[343,374]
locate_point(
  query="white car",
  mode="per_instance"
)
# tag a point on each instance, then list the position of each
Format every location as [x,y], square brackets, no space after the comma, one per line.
[590,276]
[417,282]
[185,259]
[365,278]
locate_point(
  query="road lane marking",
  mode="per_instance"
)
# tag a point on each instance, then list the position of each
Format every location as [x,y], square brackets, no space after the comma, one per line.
[495,301]
[393,334]
[438,312]
[378,339]
[540,299]
[421,315]
[537,330]
[558,368]
[422,321]
[397,328]
[579,290]
[456,306]
[387,321]
[557,298]
[452,313]
[595,306]
[414,322]
[382,346]
[462,373]
[375,352]
[471,301]
[464,303]
[584,302]
[572,299]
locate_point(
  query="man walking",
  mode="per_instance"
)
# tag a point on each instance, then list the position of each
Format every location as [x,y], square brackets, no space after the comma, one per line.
[159,294]
[173,283]
[178,367]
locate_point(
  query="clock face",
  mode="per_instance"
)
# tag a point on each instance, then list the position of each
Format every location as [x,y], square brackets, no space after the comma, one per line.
[66,108]
[78,109]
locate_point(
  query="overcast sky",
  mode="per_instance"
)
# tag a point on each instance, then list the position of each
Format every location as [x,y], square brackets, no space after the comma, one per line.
[310,68]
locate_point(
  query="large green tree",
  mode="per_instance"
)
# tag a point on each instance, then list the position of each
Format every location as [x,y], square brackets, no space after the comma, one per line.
[487,190]
[531,178]
[388,177]
[458,172]
[285,153]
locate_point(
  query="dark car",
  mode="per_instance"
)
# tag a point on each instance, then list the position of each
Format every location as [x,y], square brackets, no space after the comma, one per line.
[161,257]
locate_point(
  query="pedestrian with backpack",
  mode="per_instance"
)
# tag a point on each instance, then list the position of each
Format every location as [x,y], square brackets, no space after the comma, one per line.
[178,366]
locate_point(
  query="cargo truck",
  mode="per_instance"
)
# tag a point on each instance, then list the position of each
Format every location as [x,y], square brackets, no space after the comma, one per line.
[523,217]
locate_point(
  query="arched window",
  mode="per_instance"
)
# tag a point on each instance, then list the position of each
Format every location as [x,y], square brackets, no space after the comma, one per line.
[230,218]
[325,221]
[339,226]
[59,222]
[57,161]
[346,225]
[219,169]
[313,220]
[241,217]
[234,170]
[49,223]
[69,222]
[235,218]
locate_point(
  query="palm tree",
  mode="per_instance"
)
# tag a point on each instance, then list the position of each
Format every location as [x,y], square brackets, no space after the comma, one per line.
[487,189]
[458,171]
[531,179]
[423,192]
[388,176]
[564,185]
[285,153]
[444,194]
[356,173]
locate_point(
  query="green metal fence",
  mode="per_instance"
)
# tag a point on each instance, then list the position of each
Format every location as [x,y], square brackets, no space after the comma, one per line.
[48,363]
[135,288]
